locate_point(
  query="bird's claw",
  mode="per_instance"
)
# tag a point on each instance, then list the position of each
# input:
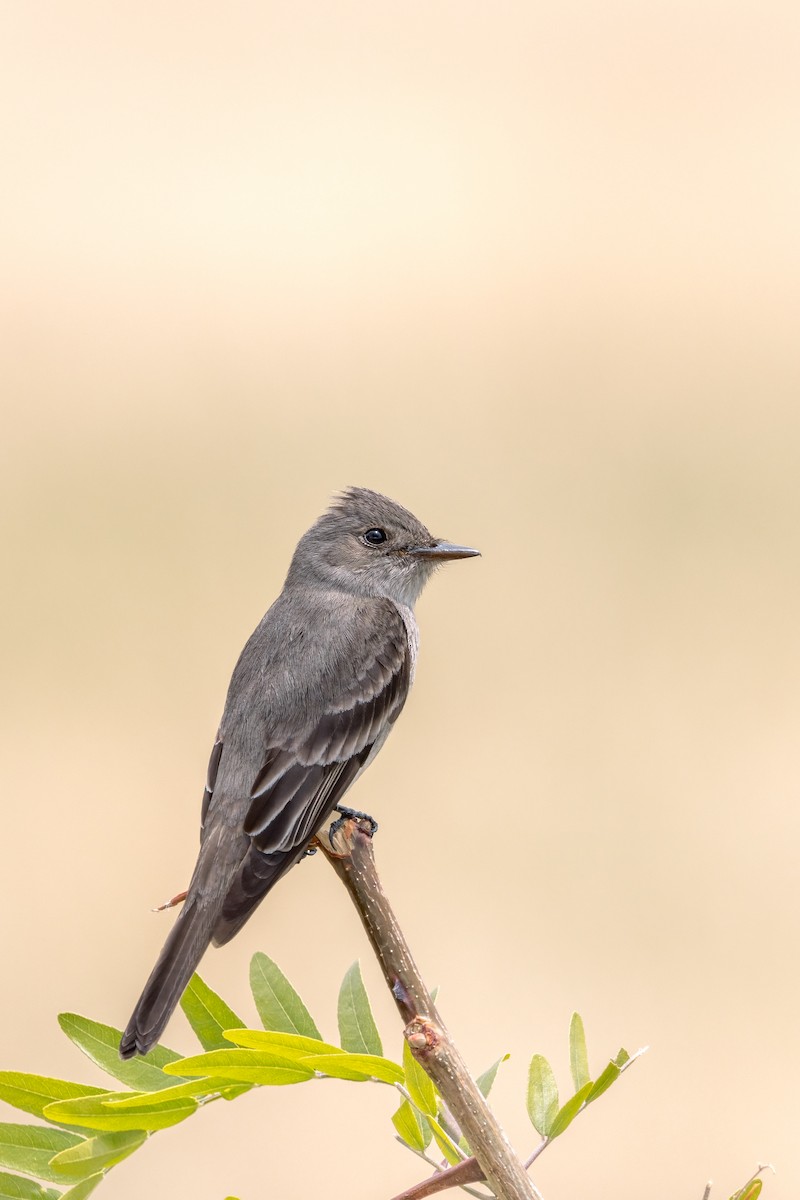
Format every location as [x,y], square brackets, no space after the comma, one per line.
[351,814]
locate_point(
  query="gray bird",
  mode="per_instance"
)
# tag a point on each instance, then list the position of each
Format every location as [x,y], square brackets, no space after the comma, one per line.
[312,699]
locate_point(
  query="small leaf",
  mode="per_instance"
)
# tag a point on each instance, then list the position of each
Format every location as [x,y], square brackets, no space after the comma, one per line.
[408,1127]
[603,1082]
[208,1014]
[279,1006]
[238,1089]
[445,1143]
[32,1093]
[287,1045]
[486,1080]
[96,1154]
[622,1058]
[578,1057]
[751,1191]
[358,1032]
[91,1113]
[357,1066]
[100,1043]
[567,1113]
[542,1095]
[84,1188]
[14,1187]
[29,1148]
[419,1085]
[246,1066]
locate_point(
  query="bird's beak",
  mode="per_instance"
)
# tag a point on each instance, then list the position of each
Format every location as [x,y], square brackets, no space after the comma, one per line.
[443,551]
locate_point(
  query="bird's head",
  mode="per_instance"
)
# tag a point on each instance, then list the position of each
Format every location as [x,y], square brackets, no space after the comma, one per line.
[368,545]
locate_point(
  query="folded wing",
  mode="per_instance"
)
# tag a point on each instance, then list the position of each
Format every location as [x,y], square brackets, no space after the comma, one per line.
[301,781]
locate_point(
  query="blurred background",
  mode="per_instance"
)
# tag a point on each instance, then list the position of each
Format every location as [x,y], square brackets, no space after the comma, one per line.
[532,270]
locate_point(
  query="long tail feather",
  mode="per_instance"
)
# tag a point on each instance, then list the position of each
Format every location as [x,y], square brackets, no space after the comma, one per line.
[176,964]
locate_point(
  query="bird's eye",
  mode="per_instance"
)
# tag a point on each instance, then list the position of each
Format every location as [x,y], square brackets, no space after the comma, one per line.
[374,537]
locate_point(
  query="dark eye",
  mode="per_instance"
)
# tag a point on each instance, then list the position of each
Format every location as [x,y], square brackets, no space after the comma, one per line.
[374,537]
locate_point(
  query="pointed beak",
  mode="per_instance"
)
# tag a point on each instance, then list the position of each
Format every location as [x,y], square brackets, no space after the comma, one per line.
[443,551]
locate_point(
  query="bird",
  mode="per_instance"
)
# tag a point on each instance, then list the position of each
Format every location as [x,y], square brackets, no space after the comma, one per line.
[313,697]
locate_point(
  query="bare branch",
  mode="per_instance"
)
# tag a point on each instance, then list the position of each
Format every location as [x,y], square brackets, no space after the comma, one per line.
[466,1172]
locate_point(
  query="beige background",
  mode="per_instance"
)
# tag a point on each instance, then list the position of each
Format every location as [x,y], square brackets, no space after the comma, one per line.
[532,270]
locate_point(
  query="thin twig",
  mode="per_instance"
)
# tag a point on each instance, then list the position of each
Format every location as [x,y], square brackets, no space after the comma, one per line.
[430,1043]
[743,1189]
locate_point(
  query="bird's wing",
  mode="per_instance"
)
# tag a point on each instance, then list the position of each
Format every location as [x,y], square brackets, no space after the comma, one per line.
[302,780]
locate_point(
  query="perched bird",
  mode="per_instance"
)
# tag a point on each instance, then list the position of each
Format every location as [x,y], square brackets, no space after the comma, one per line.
[312,699]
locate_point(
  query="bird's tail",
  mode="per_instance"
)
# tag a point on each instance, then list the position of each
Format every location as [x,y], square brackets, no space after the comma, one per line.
[182,952]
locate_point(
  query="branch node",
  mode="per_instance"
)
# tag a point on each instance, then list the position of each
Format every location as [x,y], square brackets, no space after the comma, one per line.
[419,1035]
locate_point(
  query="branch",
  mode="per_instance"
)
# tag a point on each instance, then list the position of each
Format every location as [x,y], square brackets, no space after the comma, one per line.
[351,856]
[464,1172]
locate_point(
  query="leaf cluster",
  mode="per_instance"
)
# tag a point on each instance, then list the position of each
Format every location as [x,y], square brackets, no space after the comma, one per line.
[548,1117]
[89,1130]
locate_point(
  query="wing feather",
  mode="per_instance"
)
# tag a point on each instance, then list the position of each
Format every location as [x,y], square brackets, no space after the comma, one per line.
[301,781]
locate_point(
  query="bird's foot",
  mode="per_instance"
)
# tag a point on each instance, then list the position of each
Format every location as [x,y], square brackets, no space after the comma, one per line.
[351,814]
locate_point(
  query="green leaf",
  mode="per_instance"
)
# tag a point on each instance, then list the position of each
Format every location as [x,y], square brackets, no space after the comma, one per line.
[29,1148]
[32,1093]
[445,1143]
[287,1045]
[84,1188]
[246,1066]
[238,1089]
[542,1095]
[14,1187]
[279,1006]
[358,1032]
[751,1191]
[486,1080]
[578,1057]
[96,1154]
[100,1043]
[408,1127]
[190,1087]
[567,1113]
[622,1058]
[208,1014]
[603,1082]
[91,1113]
[356,1066]
[419,1085]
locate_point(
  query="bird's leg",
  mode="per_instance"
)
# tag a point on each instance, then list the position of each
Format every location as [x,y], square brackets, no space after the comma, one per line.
[351,814]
